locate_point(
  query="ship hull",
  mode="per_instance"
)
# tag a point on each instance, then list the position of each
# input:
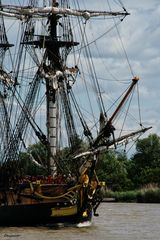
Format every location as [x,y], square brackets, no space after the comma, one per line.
[35,204]
[38,214]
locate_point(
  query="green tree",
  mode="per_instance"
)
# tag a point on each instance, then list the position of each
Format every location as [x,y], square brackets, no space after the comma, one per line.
[112,168]
[144,166]
[39,153]
[27,166]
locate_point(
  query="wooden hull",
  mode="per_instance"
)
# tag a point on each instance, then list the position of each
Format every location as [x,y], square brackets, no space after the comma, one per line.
[37,214]
[33,208]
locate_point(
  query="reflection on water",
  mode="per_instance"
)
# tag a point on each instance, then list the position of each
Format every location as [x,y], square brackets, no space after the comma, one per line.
[117,221]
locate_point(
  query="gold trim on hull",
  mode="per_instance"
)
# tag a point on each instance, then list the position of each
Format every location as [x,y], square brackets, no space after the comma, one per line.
[66,211]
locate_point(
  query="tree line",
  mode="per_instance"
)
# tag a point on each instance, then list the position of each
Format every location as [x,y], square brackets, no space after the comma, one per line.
[118,171]
[141,169]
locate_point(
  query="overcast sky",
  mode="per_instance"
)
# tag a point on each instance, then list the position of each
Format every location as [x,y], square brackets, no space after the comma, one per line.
[142,33]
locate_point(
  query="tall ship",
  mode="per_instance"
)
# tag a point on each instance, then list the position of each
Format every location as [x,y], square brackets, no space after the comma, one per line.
[55,116]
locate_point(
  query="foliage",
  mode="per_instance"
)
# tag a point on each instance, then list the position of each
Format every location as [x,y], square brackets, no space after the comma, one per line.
[28,167]
[146,195]
[37,154]
[66,160]
[149,195]
[127,196]
[111,168]
[119,172]
[34,161]
[144,167]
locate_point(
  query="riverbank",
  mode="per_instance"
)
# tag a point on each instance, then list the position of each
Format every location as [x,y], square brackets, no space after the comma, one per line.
[151,195]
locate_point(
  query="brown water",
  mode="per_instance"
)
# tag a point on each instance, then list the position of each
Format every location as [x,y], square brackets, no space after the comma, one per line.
[117,221]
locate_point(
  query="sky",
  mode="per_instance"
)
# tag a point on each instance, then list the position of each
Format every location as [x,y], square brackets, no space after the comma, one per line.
[143,49]
[140,33]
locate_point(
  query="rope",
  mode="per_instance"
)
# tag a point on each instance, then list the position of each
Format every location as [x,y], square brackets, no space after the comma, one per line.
[126,112]
[122,43]
[140,118]
[70,190]
[102,35]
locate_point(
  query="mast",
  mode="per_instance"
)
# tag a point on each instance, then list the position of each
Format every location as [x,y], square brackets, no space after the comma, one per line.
[53,65]
[57,88]
[108,129]
[52,92]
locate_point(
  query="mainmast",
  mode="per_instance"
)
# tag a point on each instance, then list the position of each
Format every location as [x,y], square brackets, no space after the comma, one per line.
[56,86]
[52,90]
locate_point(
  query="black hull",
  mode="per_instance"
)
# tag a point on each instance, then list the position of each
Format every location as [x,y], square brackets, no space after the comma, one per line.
[38,214]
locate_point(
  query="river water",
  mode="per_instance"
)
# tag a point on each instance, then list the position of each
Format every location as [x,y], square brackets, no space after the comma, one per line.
[117,221]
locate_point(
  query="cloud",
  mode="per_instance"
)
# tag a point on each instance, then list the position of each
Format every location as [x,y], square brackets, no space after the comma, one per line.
[140,35]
